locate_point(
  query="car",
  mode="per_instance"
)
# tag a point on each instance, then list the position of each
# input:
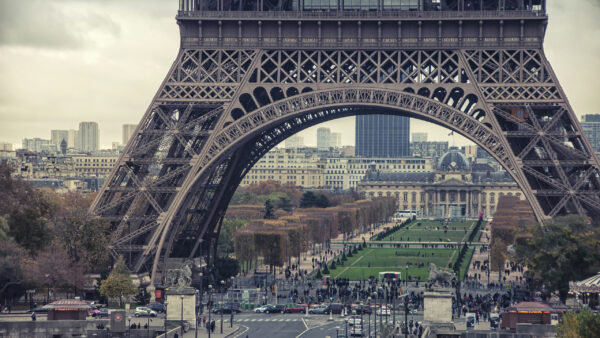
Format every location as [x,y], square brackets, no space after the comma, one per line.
[39,309]
[228,308]
[100,313]
[494,320]
[96,304]
[144,312]
[261,309]
[290,308]
[318,309]
[334,308]
[279,308]
[383,311]
[158,307]
[355,326]
[470,319]
[364,309]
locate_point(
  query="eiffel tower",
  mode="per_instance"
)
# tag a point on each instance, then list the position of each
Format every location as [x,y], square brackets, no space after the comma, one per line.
[251,73]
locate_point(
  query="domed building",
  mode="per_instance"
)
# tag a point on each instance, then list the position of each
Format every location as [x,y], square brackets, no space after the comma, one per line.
[456,188]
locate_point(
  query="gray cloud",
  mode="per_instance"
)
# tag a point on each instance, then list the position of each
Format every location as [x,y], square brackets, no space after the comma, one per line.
[50,25]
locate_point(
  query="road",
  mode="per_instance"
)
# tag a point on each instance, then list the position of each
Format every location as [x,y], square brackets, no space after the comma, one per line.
[301,326]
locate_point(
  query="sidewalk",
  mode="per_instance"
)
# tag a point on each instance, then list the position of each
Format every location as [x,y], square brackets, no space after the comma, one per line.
[202,333]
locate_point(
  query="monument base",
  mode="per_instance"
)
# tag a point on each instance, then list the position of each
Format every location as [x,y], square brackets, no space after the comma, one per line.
[438,306]
[181,304]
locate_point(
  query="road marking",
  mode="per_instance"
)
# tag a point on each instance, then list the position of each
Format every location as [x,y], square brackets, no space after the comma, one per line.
[246,328]
[306,326]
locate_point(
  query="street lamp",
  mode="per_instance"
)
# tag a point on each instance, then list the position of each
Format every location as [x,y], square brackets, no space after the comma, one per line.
[222,286]
[406,315]
[129,327]
[166,303]
[148,324]
[406,273]
[181,314]
[208,307]
[231,300]
[369,302]
[196,311]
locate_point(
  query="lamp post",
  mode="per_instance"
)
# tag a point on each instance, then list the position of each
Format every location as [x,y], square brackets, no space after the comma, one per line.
[406,315]
[148,324]
[369,302]
[166,303]
[196,311]
[394,295]
[375,317]
[406,273]
[208,307]
[362,309]
[181,297]
[231,300]
[222,286]
[129,327]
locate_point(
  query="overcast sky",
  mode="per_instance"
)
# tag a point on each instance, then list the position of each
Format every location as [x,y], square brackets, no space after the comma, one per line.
[66,61]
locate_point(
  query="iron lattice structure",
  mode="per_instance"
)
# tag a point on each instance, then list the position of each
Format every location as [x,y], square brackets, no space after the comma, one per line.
[250,74]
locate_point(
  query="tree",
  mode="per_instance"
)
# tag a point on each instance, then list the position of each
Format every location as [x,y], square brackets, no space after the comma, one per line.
[118,284]
[563,249]
[269,210]
[85,238]
[584,324]
[4,230]
[54,268]
[308,200]
[13,259]
[225,268]
[285,203]
[29,229]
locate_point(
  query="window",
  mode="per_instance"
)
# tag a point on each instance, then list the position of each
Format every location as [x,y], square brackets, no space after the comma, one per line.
[405,197]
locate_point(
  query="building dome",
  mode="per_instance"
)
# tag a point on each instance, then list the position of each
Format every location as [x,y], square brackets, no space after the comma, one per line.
[453,160]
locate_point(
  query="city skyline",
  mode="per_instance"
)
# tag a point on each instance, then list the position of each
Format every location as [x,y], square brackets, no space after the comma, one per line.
[105,71]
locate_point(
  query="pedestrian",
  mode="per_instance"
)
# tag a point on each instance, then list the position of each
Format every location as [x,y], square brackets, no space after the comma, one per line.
[33,316]
[212,326]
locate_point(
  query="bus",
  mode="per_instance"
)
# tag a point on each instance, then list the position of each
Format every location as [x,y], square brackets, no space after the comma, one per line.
[407,213]
[389,275]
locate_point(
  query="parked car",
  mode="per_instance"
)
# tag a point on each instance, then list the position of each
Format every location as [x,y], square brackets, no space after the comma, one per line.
[39,309]
[364,309]
[494,320]
[334,308]
[100,313]
[279,308]
[261,309]
[295,308]
[158,307]
[470,319]
[318,309]
[228,308]
[144,312]
[95,304]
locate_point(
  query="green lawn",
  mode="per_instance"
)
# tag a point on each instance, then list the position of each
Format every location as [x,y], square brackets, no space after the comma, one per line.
[427,230]
[371,261]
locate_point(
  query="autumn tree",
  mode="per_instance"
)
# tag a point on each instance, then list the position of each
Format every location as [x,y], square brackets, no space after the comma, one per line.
[563,249]
[118,284]
[584,324]
[54,268]
[85,238]
[13,259]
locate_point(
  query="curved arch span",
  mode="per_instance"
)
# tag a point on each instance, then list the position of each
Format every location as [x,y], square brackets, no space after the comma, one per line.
[302,111]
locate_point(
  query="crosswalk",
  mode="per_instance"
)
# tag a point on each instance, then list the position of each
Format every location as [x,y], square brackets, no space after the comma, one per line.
[268,320]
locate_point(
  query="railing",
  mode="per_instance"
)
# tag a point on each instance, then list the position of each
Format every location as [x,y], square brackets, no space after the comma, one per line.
[364,42]
[359,14]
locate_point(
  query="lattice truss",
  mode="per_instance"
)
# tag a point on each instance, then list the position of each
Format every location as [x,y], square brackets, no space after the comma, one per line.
[220,110]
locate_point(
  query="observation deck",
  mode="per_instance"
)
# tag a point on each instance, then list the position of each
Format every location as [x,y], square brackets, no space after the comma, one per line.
[362,23]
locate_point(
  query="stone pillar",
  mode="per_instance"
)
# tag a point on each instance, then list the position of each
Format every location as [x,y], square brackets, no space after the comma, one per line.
[437,306]
[181,301]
